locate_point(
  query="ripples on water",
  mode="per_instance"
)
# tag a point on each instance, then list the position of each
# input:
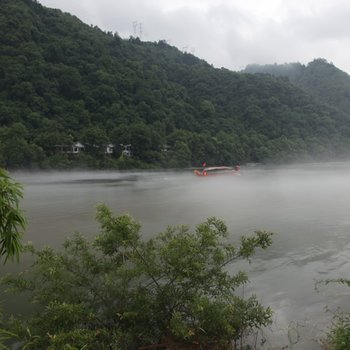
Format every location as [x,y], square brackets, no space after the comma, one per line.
[307,206]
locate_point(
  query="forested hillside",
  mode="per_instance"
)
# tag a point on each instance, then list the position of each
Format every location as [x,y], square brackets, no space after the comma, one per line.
[319,78]
[62,82]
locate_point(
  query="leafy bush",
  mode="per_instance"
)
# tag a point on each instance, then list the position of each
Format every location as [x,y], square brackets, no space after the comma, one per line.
[122,292]
[12,222]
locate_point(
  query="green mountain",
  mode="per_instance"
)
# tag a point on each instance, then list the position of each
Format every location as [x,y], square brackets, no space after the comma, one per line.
[62,82]
[319,78]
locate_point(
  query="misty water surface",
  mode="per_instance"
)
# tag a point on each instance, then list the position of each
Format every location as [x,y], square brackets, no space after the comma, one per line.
[308,207]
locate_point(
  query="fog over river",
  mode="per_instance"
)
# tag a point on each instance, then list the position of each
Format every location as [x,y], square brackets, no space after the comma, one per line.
[307,206]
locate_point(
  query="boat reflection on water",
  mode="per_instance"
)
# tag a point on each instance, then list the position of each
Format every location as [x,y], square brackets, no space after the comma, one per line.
[218,170]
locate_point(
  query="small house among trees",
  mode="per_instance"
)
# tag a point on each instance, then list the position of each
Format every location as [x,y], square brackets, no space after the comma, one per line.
[109,149]
[126,152]
[77,148]
[73,149]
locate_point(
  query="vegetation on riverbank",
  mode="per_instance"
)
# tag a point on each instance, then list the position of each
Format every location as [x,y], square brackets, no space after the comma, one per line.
[62,81]
[122,292]
[12,221]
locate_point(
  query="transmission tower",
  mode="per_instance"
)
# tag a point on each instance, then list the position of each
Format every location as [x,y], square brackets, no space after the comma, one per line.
[134,25]
[140,30]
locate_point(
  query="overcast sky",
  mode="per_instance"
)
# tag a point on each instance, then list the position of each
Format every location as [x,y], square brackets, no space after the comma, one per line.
[229,33]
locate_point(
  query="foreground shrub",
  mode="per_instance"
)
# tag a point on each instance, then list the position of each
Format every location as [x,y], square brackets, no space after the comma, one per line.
[122,292]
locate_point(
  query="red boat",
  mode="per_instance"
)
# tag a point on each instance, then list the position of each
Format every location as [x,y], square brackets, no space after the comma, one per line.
[218,170]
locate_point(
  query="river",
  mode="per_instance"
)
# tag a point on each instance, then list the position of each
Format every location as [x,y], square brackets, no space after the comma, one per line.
[307,206]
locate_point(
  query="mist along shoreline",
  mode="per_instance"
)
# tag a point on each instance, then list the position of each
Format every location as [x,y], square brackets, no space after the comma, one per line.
[305,205]
[157,167]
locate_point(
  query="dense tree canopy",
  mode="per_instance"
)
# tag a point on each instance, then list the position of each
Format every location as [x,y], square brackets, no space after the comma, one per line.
[62,81]
[319,78]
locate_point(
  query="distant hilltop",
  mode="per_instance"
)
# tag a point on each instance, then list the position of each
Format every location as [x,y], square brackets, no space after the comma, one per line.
[319,78]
